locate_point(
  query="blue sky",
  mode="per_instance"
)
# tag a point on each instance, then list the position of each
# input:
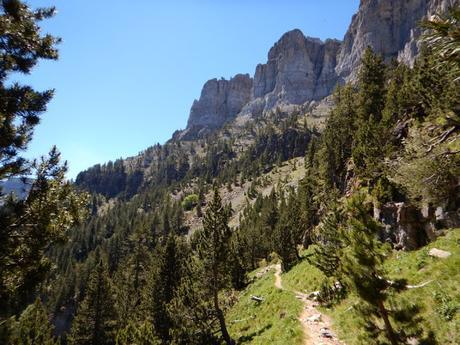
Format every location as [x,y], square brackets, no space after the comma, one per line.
[129,70]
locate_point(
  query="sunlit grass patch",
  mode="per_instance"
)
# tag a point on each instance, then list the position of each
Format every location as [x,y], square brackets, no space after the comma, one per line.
[272,321]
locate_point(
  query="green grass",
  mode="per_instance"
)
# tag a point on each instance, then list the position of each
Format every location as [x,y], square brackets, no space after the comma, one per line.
[272,321]
[303,277]
[439,301]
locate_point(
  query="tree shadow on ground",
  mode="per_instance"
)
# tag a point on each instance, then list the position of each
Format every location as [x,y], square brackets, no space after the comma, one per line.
[245,338]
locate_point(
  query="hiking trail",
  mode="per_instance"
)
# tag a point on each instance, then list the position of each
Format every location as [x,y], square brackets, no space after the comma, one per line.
[316,326]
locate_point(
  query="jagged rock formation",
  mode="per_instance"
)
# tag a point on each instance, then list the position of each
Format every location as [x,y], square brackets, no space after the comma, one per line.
[390,27]
[302,69]
[299,69]
[220,101]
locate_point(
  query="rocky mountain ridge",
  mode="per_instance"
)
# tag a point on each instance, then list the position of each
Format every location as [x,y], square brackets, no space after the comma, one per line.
[302,69]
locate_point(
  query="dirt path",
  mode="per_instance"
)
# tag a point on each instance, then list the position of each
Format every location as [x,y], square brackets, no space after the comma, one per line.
[316,326]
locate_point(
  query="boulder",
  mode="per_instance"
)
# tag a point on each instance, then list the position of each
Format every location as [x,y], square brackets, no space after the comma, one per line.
[438,253]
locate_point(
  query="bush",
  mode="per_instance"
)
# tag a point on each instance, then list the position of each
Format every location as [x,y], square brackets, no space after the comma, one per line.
[445,305]
[190,201]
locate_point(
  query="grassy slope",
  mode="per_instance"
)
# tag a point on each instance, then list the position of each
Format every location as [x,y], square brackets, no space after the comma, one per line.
[417,267]
[273,321]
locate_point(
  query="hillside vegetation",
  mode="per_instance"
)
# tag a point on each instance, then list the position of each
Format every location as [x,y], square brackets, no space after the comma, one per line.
[223,238]
[438,300]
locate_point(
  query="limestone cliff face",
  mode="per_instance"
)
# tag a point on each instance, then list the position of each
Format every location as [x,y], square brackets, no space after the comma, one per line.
[220,101]
[299,69]
[390,27]
[302,69]
[411,48]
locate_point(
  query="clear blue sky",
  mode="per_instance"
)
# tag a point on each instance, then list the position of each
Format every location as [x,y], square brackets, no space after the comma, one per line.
[130,70]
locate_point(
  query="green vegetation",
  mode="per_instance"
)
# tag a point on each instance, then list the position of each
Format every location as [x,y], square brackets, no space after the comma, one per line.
[134,273]
[272,321]
[190,201]
[438,301]
[28,227]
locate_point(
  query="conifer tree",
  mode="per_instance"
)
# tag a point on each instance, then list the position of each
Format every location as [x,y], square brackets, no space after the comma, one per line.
[164,280]
[237,266]
[131,278]
[326,256]
[443,36]
[362,265]
[288,232]
[27,227]
[141,333]
[337,140]
[33,327]
[95,321]
[192,309]
[366,150]
[213,252]
[22,47]
[371,86]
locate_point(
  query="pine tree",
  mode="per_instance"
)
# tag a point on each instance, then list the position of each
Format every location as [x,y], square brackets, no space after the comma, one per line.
[33,327]
[192,309]
[337,140]
[371,86]
[371,95]
[287,233]
[213,252]
[443,37]
[236,261]
[137,334]
[326,256]
[164,280]
[131,278]
[21,106]
[95,321]
[27,227]
[362,264]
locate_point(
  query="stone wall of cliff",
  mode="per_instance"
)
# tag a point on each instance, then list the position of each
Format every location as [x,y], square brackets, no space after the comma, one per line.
[302,69]
[220,101]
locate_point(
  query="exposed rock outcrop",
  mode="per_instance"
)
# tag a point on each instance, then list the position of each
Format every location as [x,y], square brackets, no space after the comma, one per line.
[390,27]
[409,227]
[299,69]
[403,225]
[220,101]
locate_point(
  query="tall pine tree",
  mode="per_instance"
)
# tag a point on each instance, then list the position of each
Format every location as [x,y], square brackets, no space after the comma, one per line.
[96,317]
[213,252]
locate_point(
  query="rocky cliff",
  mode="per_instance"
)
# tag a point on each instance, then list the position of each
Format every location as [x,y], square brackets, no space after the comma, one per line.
[299,69]
[390,27]
[302,69]
[220,101]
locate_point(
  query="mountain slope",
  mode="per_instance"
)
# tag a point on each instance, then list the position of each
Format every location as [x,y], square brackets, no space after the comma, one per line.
[282,169]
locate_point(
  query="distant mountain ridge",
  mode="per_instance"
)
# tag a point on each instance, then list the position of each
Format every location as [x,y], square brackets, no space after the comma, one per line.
[18,186]
[302,69]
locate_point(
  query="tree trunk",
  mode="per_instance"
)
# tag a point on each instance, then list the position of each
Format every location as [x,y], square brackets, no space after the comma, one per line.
[221,318]
[388,328]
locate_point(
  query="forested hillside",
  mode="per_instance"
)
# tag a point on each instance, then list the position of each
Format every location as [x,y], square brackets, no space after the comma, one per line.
[283,227]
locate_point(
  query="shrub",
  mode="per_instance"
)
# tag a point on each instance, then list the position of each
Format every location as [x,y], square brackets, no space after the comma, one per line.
[190,201]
